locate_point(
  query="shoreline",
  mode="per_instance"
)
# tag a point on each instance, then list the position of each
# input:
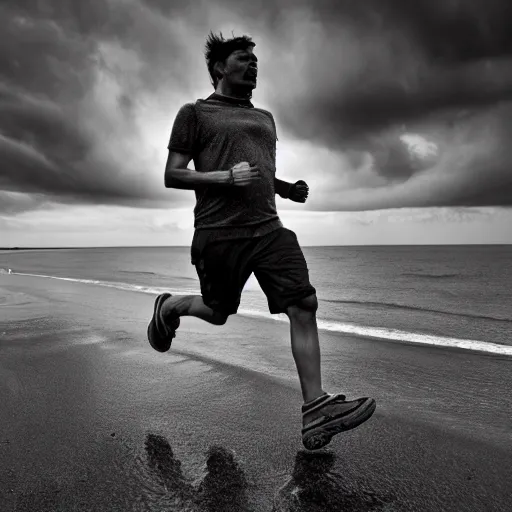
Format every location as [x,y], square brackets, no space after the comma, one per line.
[324,325]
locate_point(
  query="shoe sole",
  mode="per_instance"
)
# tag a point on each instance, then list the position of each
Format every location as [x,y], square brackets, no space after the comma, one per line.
[320,437]
[154,337]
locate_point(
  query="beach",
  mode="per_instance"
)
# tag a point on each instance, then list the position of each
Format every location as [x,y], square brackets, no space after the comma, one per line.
[93,419]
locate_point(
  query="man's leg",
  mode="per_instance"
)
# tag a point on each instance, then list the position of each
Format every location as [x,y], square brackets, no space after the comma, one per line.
[191,305]
[282,272]
[323,415]
[222,268]
[306,347]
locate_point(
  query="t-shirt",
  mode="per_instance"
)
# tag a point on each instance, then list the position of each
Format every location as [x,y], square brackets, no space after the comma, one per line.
[218,133]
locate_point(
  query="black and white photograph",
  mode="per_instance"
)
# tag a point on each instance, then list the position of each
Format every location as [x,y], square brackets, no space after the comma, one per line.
[255,255]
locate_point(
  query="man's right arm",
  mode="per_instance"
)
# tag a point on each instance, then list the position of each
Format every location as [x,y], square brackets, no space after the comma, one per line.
[177,175]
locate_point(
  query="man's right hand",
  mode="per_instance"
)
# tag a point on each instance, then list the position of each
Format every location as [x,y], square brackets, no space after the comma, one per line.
[245,175]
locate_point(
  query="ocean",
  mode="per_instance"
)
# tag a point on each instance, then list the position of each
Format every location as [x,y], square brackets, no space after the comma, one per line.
[450,296]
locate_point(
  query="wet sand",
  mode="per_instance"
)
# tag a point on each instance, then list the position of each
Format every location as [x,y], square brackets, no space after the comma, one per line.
[91,418]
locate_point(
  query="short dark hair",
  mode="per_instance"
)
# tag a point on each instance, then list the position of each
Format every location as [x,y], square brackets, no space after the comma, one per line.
[218,49]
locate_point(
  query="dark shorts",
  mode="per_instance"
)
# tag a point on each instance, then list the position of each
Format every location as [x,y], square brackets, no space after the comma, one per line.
[276,260]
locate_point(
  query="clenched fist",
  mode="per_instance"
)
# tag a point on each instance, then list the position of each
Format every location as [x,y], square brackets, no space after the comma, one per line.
[244,174]
[299,192]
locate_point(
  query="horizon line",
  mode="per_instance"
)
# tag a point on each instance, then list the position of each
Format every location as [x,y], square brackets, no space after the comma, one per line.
[20,248]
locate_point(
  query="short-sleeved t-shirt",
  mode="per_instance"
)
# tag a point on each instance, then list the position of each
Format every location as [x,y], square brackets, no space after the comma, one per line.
[219,133]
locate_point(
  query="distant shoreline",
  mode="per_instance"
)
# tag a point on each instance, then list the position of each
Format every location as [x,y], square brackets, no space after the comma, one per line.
[188,246]
[47,248]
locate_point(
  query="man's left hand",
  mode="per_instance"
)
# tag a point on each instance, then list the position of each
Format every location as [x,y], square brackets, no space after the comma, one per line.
[299,192]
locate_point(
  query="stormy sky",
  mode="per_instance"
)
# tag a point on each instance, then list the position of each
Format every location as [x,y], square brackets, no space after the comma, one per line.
[389,109]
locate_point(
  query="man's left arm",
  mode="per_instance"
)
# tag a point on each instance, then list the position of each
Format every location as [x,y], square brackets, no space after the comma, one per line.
[297,192]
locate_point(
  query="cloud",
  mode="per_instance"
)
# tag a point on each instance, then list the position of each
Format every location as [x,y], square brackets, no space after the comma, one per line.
[76,85]
[359,76]
[89,90]
[357,66]
[12,203]
[472,170]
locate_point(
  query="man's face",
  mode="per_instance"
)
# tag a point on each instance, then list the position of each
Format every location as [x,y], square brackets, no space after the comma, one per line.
[241,68]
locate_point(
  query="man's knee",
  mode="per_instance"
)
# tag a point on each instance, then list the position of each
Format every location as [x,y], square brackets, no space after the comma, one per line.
[304,307]
[219,318]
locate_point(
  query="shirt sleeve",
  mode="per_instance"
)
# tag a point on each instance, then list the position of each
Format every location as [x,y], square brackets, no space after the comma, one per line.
[275,128]
[271,117]
[183,132]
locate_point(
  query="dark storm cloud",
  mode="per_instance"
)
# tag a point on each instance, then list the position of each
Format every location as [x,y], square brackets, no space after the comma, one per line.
[353,76]
[410,58]
[472,169]
[365,72]
[56,137]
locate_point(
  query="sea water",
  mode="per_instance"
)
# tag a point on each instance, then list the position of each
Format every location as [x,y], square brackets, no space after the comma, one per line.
[438,295]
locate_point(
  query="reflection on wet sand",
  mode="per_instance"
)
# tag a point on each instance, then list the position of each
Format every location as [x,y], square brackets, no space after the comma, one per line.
[313,485]
[167,467]
[222,487]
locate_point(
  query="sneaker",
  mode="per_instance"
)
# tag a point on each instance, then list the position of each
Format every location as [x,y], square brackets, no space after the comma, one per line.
[160,334]
[329,415]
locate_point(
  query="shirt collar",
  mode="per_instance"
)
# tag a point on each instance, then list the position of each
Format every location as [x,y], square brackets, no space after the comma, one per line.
[228,99]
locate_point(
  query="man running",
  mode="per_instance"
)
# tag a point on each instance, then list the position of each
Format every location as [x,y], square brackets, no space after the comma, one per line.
[238,231]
